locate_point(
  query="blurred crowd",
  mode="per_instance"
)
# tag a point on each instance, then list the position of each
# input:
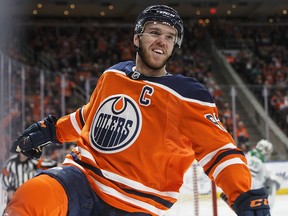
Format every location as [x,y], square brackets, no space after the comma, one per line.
[261,59]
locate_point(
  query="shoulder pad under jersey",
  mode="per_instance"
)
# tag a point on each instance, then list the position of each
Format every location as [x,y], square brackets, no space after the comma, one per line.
[124,66]
[187,87]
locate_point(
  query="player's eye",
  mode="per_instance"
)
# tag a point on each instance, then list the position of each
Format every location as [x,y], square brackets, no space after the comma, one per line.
[156,34]
[170,38]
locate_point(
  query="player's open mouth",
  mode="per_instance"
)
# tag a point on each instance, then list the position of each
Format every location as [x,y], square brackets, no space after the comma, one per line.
[158,51]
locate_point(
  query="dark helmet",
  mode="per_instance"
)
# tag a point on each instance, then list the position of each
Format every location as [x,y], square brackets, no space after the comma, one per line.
[164,14]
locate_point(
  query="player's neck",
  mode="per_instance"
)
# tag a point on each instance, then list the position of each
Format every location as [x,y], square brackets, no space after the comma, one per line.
[148,71]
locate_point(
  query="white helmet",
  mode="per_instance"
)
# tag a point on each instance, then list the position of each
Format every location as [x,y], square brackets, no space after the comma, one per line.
[265,147]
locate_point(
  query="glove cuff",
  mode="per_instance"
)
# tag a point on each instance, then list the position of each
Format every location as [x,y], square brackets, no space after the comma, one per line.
[251,200]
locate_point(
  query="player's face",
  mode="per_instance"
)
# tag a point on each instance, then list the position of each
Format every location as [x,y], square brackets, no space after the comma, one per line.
[156,43]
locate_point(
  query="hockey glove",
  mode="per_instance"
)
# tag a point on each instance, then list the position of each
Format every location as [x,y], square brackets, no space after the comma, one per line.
[35,137]
[252,203]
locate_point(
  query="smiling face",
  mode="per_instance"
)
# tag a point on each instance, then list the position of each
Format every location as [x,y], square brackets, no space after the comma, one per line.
[156,44]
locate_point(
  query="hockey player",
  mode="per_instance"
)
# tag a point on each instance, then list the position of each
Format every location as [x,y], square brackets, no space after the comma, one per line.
[261,176]
[136,137]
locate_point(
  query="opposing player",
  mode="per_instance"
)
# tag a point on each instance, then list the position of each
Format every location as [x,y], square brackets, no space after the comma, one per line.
[261,176]
[139,133]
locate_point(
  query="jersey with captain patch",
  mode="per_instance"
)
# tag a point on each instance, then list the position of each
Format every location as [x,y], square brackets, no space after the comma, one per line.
[138,135]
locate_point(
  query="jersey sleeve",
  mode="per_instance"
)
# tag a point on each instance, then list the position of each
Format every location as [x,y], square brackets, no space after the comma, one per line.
[215,149]
[69,127]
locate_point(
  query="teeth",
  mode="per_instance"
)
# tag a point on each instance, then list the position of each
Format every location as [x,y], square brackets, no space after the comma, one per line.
[158,51]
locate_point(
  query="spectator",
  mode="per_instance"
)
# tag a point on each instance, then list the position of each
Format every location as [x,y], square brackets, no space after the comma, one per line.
[242,133]
[244,146]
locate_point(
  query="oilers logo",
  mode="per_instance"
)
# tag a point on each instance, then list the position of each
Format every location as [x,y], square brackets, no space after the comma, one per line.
[116,124]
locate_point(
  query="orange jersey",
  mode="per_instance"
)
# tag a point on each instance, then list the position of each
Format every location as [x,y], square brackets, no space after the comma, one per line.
[138,135]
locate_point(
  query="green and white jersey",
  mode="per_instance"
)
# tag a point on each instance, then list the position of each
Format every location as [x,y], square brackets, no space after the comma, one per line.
[257,168]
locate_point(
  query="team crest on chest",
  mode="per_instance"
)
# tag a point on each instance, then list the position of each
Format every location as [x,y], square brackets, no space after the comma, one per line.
[116,124]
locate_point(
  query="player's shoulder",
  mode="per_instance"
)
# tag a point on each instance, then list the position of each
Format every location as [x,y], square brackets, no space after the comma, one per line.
[187,87]
[184,86]
[126,67]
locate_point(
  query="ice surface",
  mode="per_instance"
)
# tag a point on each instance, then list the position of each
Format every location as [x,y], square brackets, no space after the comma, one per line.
[186,208]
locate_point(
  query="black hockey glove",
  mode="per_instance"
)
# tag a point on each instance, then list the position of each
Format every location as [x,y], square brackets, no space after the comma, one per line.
[35,137]
[252,203]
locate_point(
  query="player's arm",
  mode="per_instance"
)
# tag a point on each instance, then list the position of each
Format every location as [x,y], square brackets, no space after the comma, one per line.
[48,130]
[69,127]
[222,161]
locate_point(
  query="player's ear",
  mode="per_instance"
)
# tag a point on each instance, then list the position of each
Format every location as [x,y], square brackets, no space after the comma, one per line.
[136,40]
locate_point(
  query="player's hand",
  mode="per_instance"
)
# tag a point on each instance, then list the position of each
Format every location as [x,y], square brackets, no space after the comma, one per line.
[252,203]
[35,137]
